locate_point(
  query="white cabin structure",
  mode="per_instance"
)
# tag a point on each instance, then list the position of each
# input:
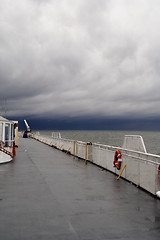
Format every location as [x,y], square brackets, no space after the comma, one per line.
[7,148]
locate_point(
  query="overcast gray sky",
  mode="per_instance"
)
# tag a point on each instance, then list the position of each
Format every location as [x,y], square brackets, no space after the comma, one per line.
[80,57]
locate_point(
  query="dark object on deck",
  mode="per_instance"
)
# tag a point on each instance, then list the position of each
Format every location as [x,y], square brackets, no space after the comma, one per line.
[25,135]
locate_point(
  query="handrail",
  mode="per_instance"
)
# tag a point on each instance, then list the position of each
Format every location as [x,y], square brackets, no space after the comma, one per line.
[142,159]
[12,141]
[126,152]
[3,149]
[139,174]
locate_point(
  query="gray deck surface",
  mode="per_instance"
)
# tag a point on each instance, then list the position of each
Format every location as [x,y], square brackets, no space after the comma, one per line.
[46,194]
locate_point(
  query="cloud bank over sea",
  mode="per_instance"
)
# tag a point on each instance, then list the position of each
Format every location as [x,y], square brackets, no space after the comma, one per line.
[80,58]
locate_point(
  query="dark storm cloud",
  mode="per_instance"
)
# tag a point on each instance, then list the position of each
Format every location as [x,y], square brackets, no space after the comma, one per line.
[80,58]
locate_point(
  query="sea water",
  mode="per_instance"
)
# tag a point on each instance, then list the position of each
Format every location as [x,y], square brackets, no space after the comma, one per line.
[113,138]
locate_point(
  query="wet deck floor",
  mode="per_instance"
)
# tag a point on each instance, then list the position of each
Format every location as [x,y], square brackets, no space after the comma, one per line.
[45,194]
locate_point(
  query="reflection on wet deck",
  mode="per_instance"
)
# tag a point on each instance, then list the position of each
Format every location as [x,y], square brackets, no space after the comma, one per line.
[46,194]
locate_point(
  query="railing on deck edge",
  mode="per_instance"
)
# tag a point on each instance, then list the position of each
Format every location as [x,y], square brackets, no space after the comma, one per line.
[8,147]
[143,169]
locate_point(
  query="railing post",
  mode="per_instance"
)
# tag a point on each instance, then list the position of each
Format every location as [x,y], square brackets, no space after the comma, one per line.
[74,148]
[86,154]
[17,137]
[14,151]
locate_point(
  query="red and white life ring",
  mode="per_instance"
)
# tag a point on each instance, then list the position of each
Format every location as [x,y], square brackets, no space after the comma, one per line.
[117,160]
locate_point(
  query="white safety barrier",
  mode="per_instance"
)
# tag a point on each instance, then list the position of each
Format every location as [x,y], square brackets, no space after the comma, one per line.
[56,135]
[134,142]
[80,149]
[142,168]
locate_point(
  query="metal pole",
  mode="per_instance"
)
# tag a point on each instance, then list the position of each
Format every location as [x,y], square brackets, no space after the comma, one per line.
[86,155]
[121,171]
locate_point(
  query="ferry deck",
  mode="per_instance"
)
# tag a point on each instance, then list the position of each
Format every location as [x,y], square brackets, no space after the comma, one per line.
[46,194]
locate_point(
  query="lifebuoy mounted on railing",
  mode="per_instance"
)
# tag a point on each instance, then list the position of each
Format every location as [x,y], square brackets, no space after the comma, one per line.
[117,160]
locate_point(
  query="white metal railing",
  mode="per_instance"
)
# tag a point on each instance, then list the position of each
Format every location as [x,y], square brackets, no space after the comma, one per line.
[142,168]
[80,149]
[56,135]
